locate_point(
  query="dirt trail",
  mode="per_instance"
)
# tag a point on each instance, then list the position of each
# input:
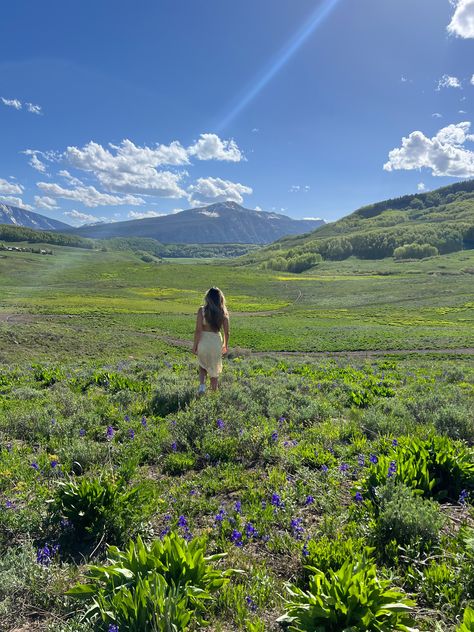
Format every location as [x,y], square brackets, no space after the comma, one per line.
[236,351]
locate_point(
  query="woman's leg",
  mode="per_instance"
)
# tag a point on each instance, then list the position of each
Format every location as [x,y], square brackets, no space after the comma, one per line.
[214,383]
[202,379]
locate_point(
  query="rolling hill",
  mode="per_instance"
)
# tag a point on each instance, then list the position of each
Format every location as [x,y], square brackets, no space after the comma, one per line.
[223,223]
[16,216]
[443,219]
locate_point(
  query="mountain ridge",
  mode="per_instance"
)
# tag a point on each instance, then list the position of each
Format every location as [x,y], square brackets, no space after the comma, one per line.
[223,222]
[16,216]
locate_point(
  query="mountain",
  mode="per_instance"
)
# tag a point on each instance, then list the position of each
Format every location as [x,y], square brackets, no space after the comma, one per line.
[443,219]
[19,217]
[223,223]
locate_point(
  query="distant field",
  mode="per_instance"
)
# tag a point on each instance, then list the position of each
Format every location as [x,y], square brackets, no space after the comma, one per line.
[348,305]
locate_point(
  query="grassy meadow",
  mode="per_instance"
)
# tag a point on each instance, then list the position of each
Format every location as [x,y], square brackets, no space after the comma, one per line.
[315,491]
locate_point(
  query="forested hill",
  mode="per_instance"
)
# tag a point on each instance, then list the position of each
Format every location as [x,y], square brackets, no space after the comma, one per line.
[438,221]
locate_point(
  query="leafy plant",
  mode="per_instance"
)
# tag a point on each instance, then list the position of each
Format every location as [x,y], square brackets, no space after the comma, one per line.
[467,624]
[438,467]
[96,508]
[351,598]
[152,588]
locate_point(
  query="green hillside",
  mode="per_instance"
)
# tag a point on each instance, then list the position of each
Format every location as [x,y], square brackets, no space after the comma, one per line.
[442,219]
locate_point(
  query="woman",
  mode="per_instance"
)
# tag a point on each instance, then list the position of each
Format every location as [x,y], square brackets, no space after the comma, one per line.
[208,343]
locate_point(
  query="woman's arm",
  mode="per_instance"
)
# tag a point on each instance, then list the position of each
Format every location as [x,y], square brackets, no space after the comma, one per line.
[225,326]
[198,330]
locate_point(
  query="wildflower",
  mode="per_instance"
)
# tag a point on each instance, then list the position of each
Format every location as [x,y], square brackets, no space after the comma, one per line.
[9,505]
[392,469]
[344,467]
[144,422]
[394,442]
[238,507]
[113,628]
[324,468]
[236,537]
[220,424]
[53,422]
[463,496]
[361,460]
[109,435]
[45,554]
[252,606]
[274,436]
[358,497]
[373,459]
[309,500]
[182,522]
[276,500]
[281,420]
[54,463]
[35,466]
[82,432]
[220,516]
[297,528]
[127,418]
[174,446]
[164,532]
[192,492]
[304,550]
[250,530]
[131,433]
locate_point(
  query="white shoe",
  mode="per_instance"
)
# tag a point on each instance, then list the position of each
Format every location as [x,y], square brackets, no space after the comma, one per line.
[202,388]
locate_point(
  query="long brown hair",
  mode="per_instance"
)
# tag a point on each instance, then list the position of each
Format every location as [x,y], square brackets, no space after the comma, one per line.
[215,310]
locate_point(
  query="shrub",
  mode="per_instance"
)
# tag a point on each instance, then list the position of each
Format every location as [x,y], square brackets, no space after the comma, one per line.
[153,588]
[179,462]
[406,519]
[95,509]
[415,251]
[173,395]
[351,598]
[328,554]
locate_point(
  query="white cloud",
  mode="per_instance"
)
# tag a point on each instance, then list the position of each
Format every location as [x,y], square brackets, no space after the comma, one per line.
[255,130]
[312,219]
[83,218]
[89,196]
[45,202]
[15,201]
[437,115]
[296,188]
[69,178]
[444,153]
[12,103]
[144,214]
[34,109]
[211,147]
[208,190]
[448,81]
[129,168]
[258,208]
[462,112]
[462,23]
[472,80]
[10,188]
[18,105]
[421,186]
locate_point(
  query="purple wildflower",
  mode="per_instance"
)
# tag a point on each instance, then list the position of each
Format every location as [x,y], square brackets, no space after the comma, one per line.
[373,459]
[297,528]
[358,497]
[220,424]
[9,505]
[131,433]
[344,467]
[182,522]
[236,537]
[113,628]
[392,469]
[45,554]
[361,460]
[324,468]
[144,422]
[220,516]
[394,443]
[304,550]
[82,432]
[35,466]
[309,500]
[109,435]
[54,463]
[252,606]
[463,496]
[174,446]
[127,418]
[274,436]
[250,530]
[276,500]
[238,507]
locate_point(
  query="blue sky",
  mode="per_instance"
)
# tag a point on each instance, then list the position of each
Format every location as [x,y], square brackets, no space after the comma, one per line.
[116,110]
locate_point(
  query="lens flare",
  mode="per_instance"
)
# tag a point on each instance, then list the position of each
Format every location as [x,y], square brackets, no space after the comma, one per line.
[309,27]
